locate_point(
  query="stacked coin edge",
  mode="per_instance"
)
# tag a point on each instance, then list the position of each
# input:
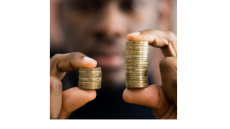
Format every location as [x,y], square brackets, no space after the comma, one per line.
[136,64]
[90,78]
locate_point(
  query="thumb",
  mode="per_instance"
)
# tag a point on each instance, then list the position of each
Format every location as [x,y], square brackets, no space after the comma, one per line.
[73,99]
[152,96]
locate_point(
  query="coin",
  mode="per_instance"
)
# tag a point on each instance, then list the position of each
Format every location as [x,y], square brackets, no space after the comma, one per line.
[136,47]
[93,69]
[141,70]
[137,42]
[132,53]
[90,87]
[132,56]
[135,60]
[136,82]
[84,79]
[138,62]
[136,74]
[90,78]
[136,67]
[89,75]
[138,86]
[137,50]
[89,83]
[137,77]
[90,72]
[143,58]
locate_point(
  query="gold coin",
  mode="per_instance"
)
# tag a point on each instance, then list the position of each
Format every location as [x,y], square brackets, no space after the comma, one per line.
[136,52]
[145,54]
[137,77]
[142,79]
[143,74]
[83,79]
[136,47]
[93,69]
[137,63]
[133,69]
[136,72]
[91,78]
[139,86]
[136,67]
[135,60]
[89,72]
[138,42]
[136,82]
[138,58]
[135,56]
[89,75]
[129,50]
[135,86]
[92,87]
[88,83]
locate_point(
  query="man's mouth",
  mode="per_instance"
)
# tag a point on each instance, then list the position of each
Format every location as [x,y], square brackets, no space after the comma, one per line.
[109,60]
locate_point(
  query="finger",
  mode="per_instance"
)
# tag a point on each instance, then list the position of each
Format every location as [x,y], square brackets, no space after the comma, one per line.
[55,97]
[168,68]
[73,99]
[165,40]
[60,63]
[152,96]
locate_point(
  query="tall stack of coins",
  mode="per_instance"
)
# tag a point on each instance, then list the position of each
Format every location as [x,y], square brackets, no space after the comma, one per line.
[136,64]
[89,78]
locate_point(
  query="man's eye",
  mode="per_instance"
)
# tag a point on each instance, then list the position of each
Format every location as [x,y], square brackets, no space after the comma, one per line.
[86,7]
[131,5]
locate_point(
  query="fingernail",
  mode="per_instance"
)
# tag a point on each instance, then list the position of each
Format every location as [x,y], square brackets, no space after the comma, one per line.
[135,33]
[87,59]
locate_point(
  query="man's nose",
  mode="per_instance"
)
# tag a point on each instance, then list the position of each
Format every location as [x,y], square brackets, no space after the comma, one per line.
[110,24]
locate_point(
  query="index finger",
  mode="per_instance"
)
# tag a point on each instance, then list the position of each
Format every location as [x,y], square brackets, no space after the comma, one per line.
[165,40]
[61,63]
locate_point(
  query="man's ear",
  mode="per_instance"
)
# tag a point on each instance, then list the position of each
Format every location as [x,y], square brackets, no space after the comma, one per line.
[56,34]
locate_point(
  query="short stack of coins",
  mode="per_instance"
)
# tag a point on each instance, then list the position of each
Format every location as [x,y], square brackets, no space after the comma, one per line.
[90,78]
[136,64]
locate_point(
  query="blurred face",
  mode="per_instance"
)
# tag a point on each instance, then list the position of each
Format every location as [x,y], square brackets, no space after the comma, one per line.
[98,28]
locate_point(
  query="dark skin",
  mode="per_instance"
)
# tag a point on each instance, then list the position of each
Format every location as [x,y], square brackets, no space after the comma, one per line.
[162,99]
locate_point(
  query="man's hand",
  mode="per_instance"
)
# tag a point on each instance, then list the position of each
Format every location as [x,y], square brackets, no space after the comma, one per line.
[162,99]
[62,104]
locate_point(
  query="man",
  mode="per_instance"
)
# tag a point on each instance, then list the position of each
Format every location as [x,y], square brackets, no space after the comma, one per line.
[95,33]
